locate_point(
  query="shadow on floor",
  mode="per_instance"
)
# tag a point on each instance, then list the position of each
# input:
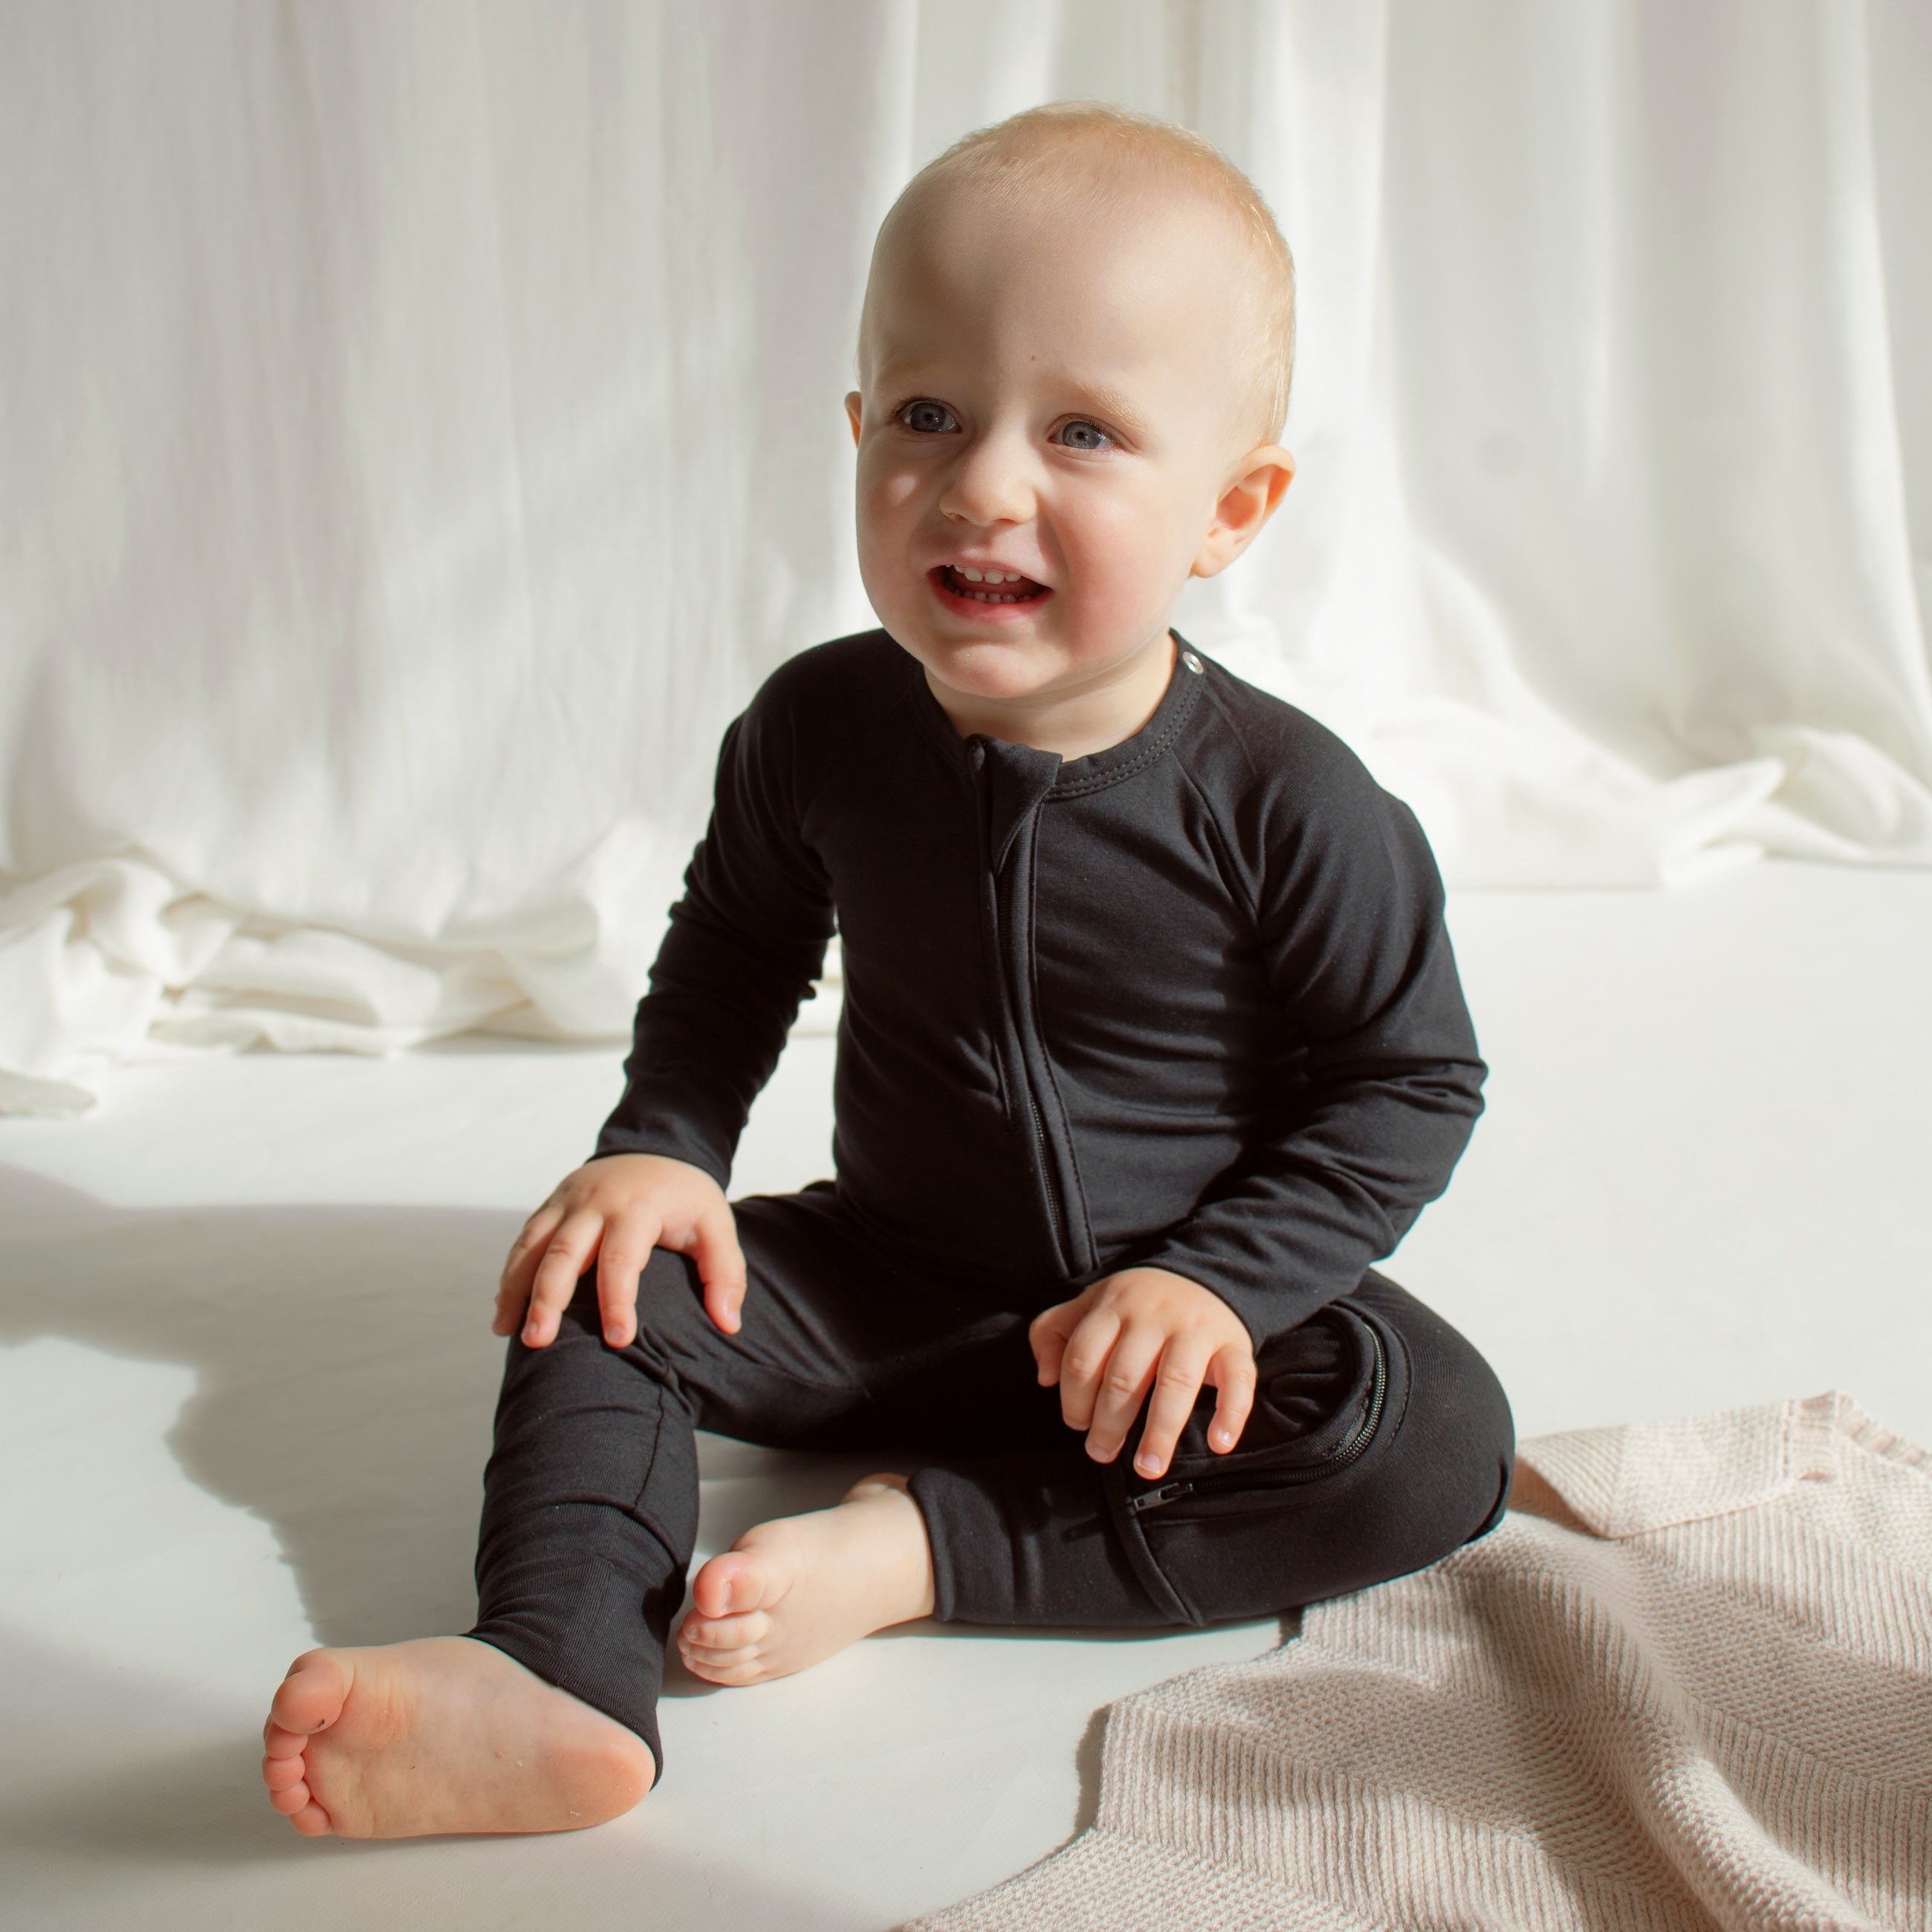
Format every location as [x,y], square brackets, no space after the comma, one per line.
[345,1374]
[345,1380]
[109,1829]
[346,1377]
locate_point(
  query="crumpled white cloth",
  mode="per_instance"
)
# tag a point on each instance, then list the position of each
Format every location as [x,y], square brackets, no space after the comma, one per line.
[103,961]
[111,961]
[420,432]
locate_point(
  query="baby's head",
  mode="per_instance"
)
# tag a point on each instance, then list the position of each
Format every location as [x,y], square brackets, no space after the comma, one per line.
[1074,362]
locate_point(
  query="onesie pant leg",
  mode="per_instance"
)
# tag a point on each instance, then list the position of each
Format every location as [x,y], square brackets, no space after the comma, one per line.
[590,1507]
[590,1497]
[1380,1440]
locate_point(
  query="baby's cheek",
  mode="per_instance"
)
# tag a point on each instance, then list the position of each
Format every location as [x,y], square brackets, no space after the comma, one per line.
[1124,569]
[883,568]
[1111,610]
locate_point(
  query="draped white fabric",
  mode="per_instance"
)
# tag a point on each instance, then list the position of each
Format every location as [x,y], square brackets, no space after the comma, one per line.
[420,431]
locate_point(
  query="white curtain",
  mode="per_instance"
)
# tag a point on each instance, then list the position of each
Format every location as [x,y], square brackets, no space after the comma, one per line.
[420,429]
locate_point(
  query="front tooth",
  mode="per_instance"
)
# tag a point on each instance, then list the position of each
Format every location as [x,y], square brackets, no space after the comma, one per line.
[971,575]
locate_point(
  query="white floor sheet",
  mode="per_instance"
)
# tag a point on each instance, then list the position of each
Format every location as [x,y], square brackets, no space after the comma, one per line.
[245,1384]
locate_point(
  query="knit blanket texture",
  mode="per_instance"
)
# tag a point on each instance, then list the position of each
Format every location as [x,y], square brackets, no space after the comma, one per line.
[1692,1690]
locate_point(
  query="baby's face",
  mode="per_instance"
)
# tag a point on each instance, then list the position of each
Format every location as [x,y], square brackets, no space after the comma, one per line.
[1052,415]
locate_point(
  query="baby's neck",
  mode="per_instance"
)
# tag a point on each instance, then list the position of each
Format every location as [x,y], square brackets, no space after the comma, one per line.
[1073,724]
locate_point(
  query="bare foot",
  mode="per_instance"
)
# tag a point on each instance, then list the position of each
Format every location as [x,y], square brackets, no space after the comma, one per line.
[788,1593]
[445,1734]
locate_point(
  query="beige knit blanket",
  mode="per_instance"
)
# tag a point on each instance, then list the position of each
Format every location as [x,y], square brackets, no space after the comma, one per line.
[1694,1690]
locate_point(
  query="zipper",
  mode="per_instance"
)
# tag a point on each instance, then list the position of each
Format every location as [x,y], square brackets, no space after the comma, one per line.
[1149,1499]
[1009,935]
[1331,1463]
[1046,1186]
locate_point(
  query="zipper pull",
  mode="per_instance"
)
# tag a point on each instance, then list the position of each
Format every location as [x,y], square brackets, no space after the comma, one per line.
[1149,1499]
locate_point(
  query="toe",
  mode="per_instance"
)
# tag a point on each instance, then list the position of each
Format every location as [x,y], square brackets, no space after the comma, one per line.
[312,1821]
[742,1579]
[726,1633]
[283,1773]
[312,1695]
[733,1672]
[277,1743]
[296,1798]
[723,1587]
[717,1656]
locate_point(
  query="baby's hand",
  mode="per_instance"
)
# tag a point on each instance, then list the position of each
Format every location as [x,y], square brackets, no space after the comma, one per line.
[1144,1328]
[619,1209]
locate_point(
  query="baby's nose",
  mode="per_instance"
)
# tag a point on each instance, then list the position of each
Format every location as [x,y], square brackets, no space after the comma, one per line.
[992,483]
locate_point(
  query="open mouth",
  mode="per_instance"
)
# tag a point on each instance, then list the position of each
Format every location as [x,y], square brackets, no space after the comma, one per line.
[981,586]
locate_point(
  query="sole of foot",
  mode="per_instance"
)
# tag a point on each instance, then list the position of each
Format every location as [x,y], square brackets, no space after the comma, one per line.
[790,1593]
[444,1734]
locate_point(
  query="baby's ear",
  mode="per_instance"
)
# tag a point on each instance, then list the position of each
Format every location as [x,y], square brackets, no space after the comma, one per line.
[853,403]
[1245,506]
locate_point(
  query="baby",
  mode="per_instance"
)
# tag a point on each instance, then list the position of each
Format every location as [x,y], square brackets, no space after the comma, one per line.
[1152,1043]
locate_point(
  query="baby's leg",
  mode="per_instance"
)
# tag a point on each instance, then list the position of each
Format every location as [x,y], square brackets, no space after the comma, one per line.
[1380,1442]
[945,1373]
[543,1718]
[1025,1516]
[590,1513]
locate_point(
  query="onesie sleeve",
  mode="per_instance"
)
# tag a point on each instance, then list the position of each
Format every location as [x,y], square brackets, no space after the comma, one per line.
[745,942]
[1350,908]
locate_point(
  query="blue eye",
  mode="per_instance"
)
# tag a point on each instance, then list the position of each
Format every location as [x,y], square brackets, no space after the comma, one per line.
[1080,435]
[927,418]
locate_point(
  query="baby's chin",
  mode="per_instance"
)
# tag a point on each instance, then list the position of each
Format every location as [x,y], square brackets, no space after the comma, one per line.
[1012,670]
[1030,655]
[993,670]
[994,660]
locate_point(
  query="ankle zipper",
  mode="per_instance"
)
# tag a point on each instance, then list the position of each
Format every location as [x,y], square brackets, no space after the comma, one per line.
[1149,1499]
[1335,1460]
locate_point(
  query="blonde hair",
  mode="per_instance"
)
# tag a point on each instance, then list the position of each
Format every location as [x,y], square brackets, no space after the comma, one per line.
[1038,155]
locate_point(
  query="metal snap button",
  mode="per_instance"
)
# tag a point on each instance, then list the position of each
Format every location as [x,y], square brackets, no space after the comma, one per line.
[1193,663]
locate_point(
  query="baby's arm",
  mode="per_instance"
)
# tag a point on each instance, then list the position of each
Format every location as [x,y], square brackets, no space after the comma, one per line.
[1380,1080]
[744,945]
[1146,1329]
[618,1209]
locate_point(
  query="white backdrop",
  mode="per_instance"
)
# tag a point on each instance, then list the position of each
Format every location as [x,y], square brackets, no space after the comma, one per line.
[420,429]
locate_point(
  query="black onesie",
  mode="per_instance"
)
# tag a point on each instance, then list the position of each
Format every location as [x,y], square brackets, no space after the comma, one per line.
[1188,1002]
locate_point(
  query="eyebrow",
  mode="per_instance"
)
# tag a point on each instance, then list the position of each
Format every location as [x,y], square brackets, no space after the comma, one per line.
[1106,402]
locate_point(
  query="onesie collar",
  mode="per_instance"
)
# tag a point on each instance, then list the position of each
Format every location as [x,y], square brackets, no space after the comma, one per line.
[1098,770]
[1044,776]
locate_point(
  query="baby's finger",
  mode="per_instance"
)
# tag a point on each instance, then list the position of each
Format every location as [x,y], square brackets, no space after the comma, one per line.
[1232,1373]
[1047,1336]
[621,1256]
[1175,1387]
[564,1262]
[1130,1370]
[520,1266]
[721,1266]
[1082,1365]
